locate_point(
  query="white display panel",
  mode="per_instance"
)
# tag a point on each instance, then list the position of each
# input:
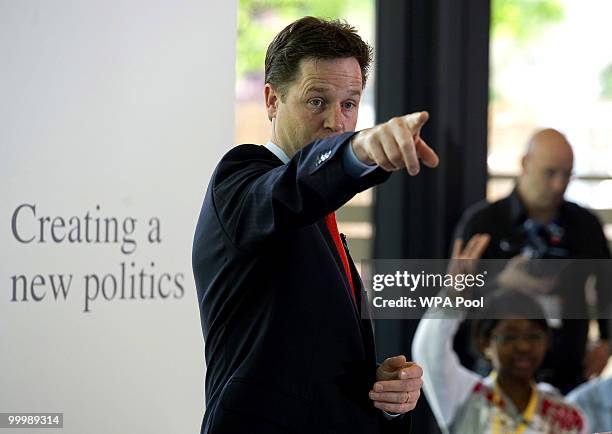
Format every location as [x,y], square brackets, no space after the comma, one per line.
[113,114]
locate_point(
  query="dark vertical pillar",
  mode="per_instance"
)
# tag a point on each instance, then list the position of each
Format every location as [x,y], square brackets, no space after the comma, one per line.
[430,55]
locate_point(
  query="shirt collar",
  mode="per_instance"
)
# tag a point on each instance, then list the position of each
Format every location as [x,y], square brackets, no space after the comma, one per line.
[277,151]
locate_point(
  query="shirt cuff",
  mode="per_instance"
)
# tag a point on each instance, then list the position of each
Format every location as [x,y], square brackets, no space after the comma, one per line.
[390,416]
[352,166]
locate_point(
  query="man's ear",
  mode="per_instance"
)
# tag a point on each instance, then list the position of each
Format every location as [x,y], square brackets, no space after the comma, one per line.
[524,162]
[272,98]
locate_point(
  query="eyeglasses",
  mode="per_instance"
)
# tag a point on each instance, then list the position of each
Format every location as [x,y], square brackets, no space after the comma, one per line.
[512,339]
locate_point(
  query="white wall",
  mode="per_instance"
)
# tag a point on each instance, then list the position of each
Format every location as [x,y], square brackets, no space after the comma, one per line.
[125,106]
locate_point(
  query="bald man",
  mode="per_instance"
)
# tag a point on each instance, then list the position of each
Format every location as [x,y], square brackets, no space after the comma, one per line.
[535,221]
[546,171]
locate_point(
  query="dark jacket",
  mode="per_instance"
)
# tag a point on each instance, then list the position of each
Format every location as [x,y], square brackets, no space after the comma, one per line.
[286,349]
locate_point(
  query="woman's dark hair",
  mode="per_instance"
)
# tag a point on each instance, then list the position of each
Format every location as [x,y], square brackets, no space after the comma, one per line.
[314,38]
[507,304]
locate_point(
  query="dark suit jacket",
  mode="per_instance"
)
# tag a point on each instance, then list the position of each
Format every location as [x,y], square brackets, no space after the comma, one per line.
[286,349]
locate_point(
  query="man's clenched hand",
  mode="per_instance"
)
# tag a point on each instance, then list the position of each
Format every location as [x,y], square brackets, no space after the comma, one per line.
[398,385]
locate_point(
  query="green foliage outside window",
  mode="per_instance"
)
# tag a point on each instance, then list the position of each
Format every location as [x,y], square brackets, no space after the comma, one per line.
[254,36]
[521,20]
[606,82]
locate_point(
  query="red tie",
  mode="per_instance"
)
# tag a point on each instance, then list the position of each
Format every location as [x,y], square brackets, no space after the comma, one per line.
[330,221]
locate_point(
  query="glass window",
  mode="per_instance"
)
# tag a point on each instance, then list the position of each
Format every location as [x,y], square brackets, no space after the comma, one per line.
[551,66]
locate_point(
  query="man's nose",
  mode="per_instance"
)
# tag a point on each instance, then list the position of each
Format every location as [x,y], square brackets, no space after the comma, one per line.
[333,119]
[558,183]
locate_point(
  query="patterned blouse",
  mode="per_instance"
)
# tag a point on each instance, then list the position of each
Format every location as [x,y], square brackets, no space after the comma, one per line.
[464,402]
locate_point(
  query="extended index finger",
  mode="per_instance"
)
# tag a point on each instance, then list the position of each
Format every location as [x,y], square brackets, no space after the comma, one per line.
[415,121]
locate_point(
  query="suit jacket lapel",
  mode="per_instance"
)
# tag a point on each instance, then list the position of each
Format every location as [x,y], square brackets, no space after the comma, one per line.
[332,247]
[365,326]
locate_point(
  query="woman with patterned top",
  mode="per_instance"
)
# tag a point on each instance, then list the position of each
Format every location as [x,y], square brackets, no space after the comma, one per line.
[508,400]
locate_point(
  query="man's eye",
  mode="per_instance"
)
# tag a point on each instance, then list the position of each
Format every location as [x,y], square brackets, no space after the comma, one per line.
[316,103]
[349,105]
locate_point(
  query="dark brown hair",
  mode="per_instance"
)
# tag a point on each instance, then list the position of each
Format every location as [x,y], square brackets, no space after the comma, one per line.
[314,38]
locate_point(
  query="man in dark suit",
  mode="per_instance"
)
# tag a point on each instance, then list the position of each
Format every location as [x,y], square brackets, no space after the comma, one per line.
[286,348]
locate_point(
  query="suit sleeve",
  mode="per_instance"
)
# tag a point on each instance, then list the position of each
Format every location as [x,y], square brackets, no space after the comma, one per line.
[256,199]
[399,425]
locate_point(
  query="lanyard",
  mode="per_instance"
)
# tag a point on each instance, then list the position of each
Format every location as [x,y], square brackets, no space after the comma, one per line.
[527,415]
